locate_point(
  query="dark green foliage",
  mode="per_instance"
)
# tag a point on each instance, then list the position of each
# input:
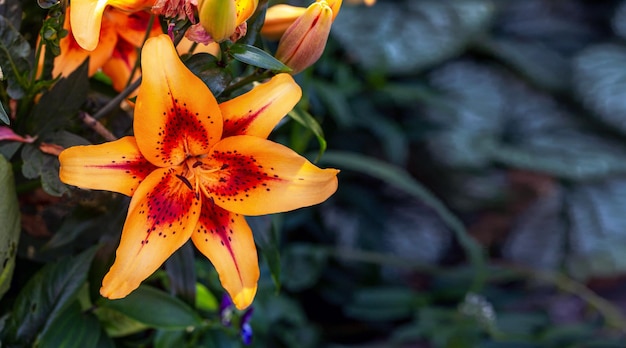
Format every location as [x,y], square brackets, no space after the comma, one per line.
[16,55]
[46,296]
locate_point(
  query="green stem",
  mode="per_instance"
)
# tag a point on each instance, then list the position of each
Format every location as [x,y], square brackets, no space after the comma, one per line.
[254,77]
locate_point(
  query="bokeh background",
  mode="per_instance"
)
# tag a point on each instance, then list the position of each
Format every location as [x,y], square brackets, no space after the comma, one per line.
[509,118]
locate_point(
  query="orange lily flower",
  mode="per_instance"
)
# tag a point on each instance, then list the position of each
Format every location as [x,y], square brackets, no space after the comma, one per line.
[194,169]
[87,15]
[116,53]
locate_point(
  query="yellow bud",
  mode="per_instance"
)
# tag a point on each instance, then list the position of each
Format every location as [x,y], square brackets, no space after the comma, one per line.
[304,41]
[218,18]
[335,5]
[278,18]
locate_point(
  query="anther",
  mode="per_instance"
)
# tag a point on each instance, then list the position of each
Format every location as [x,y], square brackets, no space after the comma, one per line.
[185,181]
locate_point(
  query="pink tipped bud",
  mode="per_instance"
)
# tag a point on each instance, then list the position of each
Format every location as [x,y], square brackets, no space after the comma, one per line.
[304,41]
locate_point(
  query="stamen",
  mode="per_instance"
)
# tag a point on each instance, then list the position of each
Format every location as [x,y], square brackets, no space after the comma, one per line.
[224,166]
[185,181]
[195,165]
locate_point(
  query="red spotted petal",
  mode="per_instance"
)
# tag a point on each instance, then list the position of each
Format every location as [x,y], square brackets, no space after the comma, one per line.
[114,166]
[226,239]
[176,115]
[162,215]
[258,111]
[255,176]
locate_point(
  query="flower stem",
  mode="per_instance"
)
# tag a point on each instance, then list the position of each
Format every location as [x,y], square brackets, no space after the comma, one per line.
[254,77]
[97,127]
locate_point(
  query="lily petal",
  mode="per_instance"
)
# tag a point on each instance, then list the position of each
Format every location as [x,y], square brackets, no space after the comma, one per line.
[121,64]
[87,17]
[245,9]
[176,115]
[162,215]
[133,26]
[258,111]
[114,166]
[226,239]
[73,55]
[258,176]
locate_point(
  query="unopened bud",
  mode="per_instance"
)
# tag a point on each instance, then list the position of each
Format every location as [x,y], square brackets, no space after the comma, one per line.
[335,5]
[304,41]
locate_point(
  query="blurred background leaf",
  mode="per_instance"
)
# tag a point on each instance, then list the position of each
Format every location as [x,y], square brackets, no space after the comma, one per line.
[46,295]
[10,217]
[15,54]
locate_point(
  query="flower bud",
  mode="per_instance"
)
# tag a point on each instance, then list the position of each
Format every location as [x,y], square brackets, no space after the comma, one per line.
[278,18]
[335,5]
[220,18]
[304,41]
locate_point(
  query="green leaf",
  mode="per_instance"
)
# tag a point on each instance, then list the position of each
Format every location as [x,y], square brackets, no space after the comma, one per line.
[180,268]
[65,98]
[155,308]
[46,294]
[600,80]
[169,338]
[4,117]
[205,300]
[10,217]
[266,237]
[309,122]
[117,324]
[206,67]
[257,57]
[40,165]
[72,328]
[15,55]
